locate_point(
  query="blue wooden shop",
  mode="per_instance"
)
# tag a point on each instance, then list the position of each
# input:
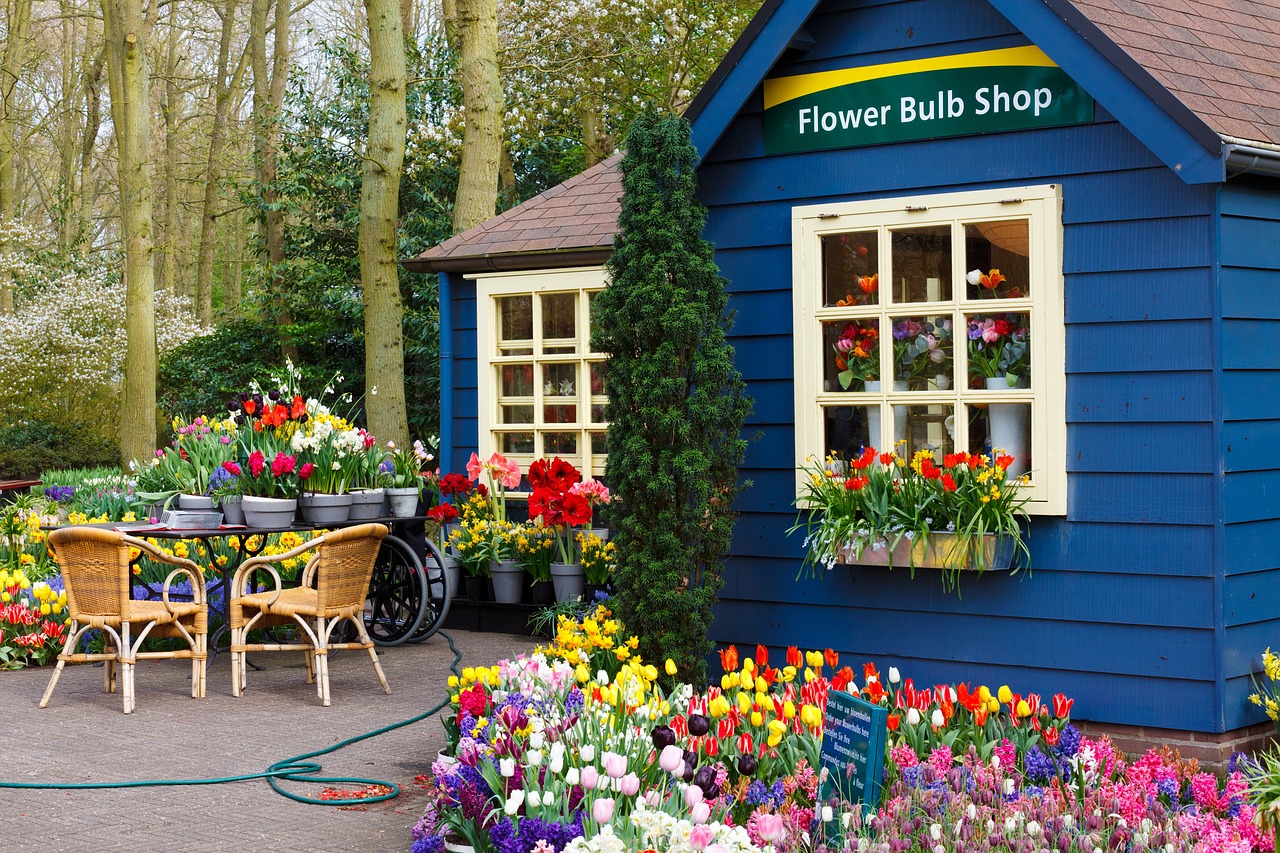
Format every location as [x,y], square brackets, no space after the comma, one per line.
[873,163]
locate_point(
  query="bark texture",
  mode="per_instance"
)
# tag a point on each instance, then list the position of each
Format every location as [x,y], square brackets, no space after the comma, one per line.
[129,83]
[477,33]
[379,214]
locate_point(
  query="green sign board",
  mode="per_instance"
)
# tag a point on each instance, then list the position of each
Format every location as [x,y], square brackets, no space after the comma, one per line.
[986,92]
[853,741]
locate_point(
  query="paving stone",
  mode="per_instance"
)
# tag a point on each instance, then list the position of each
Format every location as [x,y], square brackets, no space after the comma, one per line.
[83,736]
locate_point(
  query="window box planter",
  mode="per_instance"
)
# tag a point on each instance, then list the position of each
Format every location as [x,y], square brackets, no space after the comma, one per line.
[940,550]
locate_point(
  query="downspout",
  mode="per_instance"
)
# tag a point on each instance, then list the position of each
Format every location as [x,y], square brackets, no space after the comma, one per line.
[446,372]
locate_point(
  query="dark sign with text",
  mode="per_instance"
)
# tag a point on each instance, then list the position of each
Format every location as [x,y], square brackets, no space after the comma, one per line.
[853,742]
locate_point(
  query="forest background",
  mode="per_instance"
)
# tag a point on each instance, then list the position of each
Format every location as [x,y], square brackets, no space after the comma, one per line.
[192,192]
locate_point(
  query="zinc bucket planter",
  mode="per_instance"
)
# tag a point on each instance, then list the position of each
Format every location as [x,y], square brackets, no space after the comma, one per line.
[508,581]
[319,508]
[569,581]
[269,513]
[403,500]
[368,504]
[232,509]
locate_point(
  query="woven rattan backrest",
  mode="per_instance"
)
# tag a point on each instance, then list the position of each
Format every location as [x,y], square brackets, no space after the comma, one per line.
[344,565]
[95,569]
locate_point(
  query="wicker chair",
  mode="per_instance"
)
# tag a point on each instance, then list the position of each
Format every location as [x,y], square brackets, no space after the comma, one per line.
[334,586]
[99,583]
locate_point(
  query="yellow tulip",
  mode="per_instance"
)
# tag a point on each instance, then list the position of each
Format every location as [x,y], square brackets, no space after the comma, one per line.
[748,665]
[672,669]
[1024,710]
[757,719]
[811,716]
[726,683]
[1005,693]
[984,693]
[993,705]
[778,727]
[453,681]
[788,673]
[748,682]
[773,740]
[580,673]
[809,675]
[650,672]
[744,701]
[718,707]
[814,659]
[789,709]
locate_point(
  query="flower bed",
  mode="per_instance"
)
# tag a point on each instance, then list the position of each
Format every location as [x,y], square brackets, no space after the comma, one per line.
[578,747]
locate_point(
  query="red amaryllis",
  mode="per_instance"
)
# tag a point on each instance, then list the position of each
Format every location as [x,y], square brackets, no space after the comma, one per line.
[256,462]
[456,484]
[442,513]
[575,509]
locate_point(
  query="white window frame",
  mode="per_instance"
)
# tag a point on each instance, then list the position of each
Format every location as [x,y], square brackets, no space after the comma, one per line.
[489,288]
[1042,206]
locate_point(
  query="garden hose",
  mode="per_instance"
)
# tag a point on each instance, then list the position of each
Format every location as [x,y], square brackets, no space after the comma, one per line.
[298,768]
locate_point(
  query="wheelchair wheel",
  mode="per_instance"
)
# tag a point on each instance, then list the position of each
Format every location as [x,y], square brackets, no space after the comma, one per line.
[398,594]
[439,594]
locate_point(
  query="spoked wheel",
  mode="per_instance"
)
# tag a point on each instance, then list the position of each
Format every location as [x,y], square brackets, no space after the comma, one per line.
[398,596]
[439,594]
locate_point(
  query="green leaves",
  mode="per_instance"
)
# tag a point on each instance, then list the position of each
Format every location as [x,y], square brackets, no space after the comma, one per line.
[676,401]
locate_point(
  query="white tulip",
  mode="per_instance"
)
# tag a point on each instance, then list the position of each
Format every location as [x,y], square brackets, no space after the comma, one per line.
[913,717]
[513,802]
[973,277]
[571,777]
[937,718]
[894,675]
[588,752]
[507,767]
[534,757]
[536,740]
[535,799]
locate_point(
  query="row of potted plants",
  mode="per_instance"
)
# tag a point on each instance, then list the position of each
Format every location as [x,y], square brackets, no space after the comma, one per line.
[556,547]
[274,447]
[582,746]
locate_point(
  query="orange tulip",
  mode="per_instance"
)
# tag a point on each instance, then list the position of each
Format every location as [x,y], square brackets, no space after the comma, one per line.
[762,655]
[794,658]
[729,659]
[831,657]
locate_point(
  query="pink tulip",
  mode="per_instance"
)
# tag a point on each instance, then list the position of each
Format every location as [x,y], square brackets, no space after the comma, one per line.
[652,798]
[700,837]
[629,785]
[671,758]
[701,813]
[590,776]
[615,765]
[769,826]
[602,810]
[692,796]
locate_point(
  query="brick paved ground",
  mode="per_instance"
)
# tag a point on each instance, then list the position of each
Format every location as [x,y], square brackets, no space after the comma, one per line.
[84,736]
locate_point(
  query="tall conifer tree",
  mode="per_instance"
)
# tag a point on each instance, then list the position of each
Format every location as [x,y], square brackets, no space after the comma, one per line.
[676,401]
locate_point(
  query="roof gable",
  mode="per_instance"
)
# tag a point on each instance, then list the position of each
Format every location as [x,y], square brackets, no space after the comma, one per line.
[1135,57]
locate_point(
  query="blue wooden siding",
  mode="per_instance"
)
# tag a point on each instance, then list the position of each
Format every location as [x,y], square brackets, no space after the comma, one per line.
[1123,606]
[1250,440]
[465,377]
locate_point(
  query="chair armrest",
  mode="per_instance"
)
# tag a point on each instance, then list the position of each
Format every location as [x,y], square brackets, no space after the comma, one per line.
[197,585]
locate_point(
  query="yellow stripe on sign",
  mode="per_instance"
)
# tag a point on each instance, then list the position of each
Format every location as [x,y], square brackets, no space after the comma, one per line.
[783,89]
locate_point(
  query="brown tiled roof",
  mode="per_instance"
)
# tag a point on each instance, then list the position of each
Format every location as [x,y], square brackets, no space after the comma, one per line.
[1221,58]
[579,214]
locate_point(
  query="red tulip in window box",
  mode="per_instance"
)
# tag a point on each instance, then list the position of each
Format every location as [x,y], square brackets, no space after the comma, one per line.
[957,514]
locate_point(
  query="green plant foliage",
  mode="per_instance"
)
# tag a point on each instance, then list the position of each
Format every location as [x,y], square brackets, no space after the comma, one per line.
[676,401]
[36,446]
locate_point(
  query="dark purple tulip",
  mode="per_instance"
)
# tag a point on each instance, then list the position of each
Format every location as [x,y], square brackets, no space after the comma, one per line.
[747,765]
[698,725]
[712,792]
[704,778]
[663,737]
[274,395]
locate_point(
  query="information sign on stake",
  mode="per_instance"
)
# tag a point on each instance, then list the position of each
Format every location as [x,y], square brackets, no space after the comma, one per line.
[853,742]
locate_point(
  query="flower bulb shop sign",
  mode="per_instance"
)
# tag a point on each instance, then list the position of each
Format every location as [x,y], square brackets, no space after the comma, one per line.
[853,739]
[985,92]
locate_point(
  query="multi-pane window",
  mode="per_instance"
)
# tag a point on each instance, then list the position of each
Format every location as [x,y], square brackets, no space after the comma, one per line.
[934,323]
[541,389]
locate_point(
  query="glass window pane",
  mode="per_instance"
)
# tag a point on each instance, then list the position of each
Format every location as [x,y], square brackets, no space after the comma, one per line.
[850,269]
[922,264]
[515,414]
[929,428]
[922,352]
[593,321]
[848,429]
[559,316]
[598,413]
[516,380]
[559,414]
[515,322]
[560,380]
[1005,427]
[516,442]
[599,444]
[851,354]
[559,443]
[997,258]
[597,378]
[999,348]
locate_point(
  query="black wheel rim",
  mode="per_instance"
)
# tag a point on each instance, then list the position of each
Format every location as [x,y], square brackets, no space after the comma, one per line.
[438,597]
[396,603]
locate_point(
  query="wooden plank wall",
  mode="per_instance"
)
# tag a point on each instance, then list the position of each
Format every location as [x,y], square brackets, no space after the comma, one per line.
[1120,608]
[1250,442]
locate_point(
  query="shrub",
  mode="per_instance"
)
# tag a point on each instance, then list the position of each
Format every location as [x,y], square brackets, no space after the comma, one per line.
[28,449]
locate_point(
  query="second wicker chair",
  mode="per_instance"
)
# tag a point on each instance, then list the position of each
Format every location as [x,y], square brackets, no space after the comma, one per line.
[334,586]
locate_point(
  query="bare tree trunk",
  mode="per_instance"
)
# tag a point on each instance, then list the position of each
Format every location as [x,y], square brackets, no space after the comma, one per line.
[408,20]
[596,142]
[87,199]
[235,251]
[208,221]
[123,28]
[477,25]
[67,132]
[268,98]
[18,16]
[169,266]
[379,215]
